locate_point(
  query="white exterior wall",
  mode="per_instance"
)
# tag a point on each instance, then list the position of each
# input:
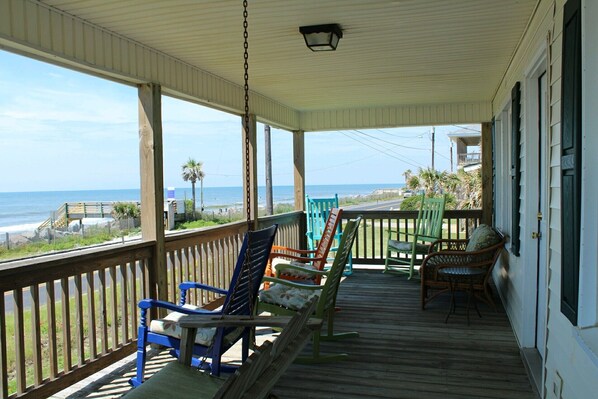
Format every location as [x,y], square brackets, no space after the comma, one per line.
[573,350]
[515,274]
[571,359]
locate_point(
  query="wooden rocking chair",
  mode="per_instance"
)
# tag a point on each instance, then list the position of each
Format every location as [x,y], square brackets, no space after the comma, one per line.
[284,297]
[428,228]
[317,211]
[256,376]
[313,259]
[210,343]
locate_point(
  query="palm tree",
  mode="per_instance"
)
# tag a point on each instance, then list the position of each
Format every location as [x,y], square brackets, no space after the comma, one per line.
[430,180]
[193,171]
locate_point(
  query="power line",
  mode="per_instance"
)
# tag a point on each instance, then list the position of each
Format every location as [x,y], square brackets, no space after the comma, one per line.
[385,152]
[467,128]
[390,142]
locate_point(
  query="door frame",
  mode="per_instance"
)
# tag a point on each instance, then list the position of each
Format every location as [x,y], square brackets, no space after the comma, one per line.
[531,200]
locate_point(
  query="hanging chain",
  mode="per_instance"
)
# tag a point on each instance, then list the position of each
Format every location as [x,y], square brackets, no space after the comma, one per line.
[246,114]
[246,267]
[247,263]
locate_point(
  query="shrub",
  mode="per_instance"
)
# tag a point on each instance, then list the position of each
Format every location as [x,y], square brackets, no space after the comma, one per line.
[125,210]
[411,203]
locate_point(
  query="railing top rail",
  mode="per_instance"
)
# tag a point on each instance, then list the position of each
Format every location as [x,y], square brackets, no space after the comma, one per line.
[25,272]
[448,214]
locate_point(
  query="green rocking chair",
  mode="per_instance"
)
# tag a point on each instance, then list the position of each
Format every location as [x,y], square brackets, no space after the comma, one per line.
[403,256]
[285,297]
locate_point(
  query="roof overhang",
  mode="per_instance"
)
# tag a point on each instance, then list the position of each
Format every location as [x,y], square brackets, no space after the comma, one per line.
[399,63]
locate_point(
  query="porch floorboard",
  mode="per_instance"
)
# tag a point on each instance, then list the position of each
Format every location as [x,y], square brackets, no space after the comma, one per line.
[402,351]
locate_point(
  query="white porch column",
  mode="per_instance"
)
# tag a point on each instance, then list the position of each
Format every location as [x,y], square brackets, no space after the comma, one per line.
[299,168]
[152,183]
[252,169]
[487,173]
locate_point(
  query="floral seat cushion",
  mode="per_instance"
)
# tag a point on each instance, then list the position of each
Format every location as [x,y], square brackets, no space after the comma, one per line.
[169,326]
[287,297]
[403,246]
[292,272]
[482,237]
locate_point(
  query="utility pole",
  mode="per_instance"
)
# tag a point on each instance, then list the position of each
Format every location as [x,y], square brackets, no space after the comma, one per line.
[433,139]
[451,156]
[268,150]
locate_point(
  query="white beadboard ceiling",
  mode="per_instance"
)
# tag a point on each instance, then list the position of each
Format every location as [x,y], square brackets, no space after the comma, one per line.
[393,53]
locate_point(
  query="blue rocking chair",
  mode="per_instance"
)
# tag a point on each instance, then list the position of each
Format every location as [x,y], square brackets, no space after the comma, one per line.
[240,299]
[317,211]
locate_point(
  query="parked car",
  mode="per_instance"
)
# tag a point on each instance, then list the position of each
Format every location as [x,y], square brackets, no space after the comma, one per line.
[407,193]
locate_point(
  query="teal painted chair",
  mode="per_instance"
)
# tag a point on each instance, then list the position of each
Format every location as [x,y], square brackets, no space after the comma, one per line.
[403,256]
[317,211]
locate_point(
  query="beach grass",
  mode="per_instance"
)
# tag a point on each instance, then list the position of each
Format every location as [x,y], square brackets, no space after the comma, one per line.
[93,237]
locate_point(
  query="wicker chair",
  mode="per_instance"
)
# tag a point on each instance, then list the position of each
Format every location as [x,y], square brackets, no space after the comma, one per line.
[460,253]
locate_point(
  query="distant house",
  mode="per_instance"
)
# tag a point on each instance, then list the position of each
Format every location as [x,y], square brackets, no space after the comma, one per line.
[469,153]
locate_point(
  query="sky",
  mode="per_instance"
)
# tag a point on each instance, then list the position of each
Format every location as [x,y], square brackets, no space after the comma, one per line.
[65,130]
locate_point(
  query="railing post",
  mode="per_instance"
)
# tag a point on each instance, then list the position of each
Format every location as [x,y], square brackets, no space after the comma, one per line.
[152,184]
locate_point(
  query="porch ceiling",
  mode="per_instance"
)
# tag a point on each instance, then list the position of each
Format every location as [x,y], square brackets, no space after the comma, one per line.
[393,53]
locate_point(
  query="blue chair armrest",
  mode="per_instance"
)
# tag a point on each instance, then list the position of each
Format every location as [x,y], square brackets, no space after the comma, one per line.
[186,285]
[145,304]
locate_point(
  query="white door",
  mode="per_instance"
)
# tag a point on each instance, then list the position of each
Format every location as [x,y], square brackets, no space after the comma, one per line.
[542,216]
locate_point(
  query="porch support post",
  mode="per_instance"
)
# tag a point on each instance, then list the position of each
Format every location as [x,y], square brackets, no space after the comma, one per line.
[252,169]
[487,150]
[299,168]
[152,184]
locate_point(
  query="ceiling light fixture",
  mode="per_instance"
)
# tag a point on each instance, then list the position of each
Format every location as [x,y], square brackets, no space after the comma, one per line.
[321,37]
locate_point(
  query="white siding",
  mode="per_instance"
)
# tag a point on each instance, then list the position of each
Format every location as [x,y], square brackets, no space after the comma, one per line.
[515,275]
[570,351]
[415,115]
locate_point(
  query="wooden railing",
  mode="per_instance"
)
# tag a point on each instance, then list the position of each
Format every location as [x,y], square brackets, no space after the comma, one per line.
[370,243]
[77,210]
[65,316]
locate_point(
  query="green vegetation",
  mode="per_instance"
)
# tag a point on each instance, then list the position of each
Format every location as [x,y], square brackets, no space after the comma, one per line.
[125,210]
[93,236]
[464,188]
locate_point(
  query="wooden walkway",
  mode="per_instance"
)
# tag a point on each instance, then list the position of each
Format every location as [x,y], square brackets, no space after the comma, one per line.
[402,351]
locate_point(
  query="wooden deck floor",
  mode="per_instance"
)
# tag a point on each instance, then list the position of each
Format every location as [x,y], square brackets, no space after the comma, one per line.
[402,351]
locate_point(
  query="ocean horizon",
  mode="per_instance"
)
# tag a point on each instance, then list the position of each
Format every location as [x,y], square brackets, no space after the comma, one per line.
[25,211]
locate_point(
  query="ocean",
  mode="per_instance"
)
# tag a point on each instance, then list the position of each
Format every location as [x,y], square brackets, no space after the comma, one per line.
[24,211]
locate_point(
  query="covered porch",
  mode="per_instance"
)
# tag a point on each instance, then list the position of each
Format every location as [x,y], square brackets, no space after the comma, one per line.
[402,351]
[514,66]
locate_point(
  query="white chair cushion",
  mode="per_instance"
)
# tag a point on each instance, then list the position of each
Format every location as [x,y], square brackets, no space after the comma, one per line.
[169,326]
[292,272]
[403,246]
[287,297]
